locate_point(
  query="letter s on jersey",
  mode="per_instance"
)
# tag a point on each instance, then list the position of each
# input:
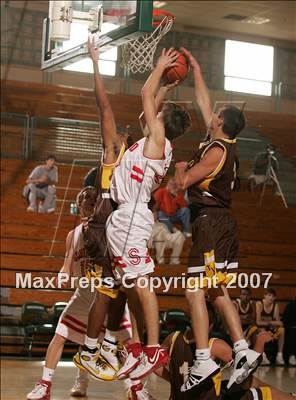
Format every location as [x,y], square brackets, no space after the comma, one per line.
[135,259]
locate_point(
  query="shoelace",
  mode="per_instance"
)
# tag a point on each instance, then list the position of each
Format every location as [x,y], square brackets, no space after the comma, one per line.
[143,358]
[122,352]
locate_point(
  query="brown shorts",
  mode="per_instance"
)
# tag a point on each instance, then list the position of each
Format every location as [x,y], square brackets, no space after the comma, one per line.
[215,248]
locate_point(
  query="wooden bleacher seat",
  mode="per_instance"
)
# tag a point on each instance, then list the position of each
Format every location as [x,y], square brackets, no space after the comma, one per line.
[267,243]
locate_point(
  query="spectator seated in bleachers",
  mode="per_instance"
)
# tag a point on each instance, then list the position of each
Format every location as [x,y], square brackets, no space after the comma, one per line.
[268,319]
[162,239]
[247,312]
[172,207]
[40,185]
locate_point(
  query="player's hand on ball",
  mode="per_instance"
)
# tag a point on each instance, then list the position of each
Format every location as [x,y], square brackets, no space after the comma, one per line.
[93,50]
[167,59]
[192,60]
[170,86]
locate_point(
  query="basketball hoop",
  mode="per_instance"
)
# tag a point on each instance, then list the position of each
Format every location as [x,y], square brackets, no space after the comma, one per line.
[137,54]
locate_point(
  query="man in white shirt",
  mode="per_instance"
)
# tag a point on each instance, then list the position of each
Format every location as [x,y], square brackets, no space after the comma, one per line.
[41,186]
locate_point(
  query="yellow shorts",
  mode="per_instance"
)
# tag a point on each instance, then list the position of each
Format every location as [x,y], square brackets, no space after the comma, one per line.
[95,272]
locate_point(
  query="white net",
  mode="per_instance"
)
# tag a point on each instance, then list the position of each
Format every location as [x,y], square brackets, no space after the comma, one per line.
[137,54]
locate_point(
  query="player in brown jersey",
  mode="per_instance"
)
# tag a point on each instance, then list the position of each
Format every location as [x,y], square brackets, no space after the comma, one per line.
[181,348]
[246,308]
[209,178]
[247,313]
[268,318]
[107,297]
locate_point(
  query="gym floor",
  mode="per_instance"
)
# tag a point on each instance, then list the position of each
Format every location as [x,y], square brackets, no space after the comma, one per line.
[19,377]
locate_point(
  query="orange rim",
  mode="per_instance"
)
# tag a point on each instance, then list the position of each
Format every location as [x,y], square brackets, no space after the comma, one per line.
[159,15]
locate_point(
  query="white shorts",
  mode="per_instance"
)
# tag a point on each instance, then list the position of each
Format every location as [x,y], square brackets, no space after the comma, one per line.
[72,324]
[128,231]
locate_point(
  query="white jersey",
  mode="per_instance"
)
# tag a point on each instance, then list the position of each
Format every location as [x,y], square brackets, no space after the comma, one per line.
[137,176]
[80,258]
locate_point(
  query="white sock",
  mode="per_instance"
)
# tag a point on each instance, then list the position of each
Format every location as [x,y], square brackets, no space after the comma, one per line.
[111,336]
[202,354]
[47,374]
[240,345]
[280,354]
[91,343]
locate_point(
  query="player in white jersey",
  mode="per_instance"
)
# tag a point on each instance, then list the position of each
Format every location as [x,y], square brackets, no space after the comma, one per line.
[129,228]
[107,300]
[72,323]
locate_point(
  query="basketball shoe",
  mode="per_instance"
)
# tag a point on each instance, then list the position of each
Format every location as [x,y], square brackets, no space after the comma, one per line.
[41,391]
[133,359]
[138,392]
[200,371]
[245,362]
[152,358]
[111,353]
[79,388]
[94,364]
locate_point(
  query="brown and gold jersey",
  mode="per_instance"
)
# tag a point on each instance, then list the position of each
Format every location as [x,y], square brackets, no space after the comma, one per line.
[181,359]
[94,237]
[215,189]
[246,313]
[268,315]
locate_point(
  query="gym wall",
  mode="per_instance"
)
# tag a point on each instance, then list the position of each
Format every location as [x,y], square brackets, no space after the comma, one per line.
[21,45]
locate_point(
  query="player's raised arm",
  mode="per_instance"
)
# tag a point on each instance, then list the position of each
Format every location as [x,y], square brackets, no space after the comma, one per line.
[207,165]
[149,91]
[159,99]
[201,91]
[108,126]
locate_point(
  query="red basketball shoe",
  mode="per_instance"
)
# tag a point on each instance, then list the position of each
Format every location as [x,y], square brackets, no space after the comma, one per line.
[41,391]
[152,358]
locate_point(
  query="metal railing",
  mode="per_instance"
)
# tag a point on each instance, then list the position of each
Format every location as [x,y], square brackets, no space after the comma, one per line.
[33,138]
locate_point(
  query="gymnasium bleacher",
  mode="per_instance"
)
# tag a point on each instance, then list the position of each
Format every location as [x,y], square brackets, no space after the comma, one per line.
[267,233]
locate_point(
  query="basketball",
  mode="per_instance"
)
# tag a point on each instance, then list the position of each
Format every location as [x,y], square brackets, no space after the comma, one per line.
[178,72]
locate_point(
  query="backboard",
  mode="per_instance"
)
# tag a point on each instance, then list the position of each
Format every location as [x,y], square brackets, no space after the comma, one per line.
[69,23]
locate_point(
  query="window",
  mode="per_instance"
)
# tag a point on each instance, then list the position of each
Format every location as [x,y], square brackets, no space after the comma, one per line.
[248,68]
[107,62]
